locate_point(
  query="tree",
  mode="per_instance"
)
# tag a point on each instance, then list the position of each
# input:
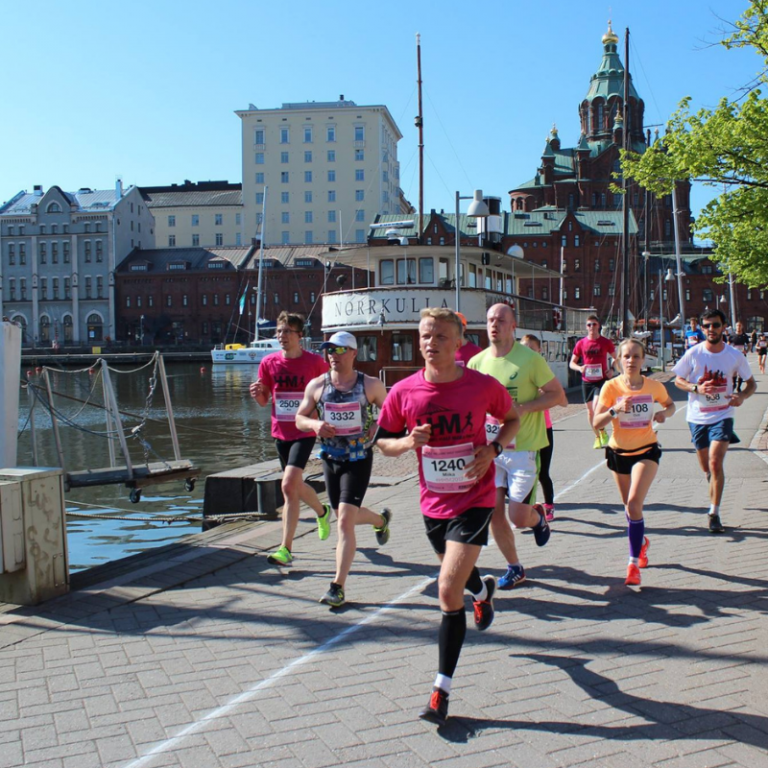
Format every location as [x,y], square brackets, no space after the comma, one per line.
[728,148]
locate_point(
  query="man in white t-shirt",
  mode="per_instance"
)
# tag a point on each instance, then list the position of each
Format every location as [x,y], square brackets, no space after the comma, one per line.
[706,372]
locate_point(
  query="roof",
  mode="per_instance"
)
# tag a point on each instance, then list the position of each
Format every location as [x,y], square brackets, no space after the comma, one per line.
[197,258]
[609,79]
[544,221]
[180,198]
[85,200]
[467,224]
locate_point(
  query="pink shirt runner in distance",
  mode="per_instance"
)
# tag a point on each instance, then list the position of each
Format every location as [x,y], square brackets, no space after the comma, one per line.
[286,379]
[456,410]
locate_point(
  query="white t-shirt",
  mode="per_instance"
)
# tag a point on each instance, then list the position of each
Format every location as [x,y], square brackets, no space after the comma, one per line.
[698,365]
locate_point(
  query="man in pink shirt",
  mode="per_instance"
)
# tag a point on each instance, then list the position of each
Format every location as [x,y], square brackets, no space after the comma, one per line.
[590,359]
[442,408]
[283,376]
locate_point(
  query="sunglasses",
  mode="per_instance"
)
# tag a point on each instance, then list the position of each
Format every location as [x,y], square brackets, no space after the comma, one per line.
[591,325]
[712,325]
[337,350]
[281,331]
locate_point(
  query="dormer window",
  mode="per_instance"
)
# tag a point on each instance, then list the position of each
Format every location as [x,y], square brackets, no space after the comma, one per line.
[53,207]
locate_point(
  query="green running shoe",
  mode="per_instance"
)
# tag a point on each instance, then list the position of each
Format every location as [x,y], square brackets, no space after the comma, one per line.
[382,534]
[282,556]
[324,523]
[605,438]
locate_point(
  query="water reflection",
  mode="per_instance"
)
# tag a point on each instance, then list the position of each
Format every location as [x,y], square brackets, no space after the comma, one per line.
[219,427]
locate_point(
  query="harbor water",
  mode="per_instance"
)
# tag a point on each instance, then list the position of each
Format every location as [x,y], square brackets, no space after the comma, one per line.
[219,427]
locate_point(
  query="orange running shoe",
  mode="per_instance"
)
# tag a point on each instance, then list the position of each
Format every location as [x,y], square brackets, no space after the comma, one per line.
[642,560]
[633,575]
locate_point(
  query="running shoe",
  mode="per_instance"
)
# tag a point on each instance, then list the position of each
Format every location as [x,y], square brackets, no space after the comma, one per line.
[542,531]
[633,575]
[334,596]
[282,556]
[598,444]
[604,438]
[382,534]
[437,710]
[324,523]
[642,560]
[549,512]
[515,575]
[484,608]
[715,526]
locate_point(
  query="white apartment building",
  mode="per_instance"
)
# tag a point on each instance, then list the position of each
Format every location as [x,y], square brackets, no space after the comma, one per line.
[327,167]
[58,254]
[206,214]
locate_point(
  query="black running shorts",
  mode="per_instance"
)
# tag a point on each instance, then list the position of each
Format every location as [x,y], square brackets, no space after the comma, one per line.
[470,527]
[591,389]
[622,465]
[347,481]
[295,453]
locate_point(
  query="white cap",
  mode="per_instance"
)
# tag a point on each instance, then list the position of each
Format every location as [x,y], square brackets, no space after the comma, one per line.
[340,339]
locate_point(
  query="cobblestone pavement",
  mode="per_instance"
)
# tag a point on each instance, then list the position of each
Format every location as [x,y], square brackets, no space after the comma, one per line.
[204,655]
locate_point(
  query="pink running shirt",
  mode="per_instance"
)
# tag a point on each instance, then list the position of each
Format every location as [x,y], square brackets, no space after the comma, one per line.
[465,353]
[286,379]
[594,355]
[456,410]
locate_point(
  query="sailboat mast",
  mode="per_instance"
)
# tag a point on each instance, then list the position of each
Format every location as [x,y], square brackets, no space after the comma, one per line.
[261,265]
[420,126]
[625,325]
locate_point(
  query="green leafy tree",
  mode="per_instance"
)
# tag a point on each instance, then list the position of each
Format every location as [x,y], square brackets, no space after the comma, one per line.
[726,148]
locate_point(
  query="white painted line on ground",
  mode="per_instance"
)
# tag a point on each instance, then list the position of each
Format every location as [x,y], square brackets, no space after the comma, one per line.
[242,698]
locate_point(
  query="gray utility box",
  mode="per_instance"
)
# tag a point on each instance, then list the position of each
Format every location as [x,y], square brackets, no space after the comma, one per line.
[33,535]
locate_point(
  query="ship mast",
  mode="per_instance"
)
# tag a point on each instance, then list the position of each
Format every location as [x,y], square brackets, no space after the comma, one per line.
[420,125]
[626,329]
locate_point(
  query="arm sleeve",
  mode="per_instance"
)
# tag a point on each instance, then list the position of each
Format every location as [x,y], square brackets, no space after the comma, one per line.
[659,392]
[577,350]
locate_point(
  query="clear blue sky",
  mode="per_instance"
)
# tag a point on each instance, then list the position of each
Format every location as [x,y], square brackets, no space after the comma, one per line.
[147,90]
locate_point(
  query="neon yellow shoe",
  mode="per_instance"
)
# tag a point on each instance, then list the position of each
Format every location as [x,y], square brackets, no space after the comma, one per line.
[324,523]
[604,438]
[598,443]
[282,556]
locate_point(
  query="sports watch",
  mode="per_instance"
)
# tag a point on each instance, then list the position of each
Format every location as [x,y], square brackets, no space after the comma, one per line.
[498,447]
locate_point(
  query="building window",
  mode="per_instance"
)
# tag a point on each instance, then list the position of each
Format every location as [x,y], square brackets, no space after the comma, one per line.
[308,157]
[259,158]
[611,265]
[295,297]
[576,241]
[227,299]
[23,252]
[11,253]
[308,237]
[688,294]
[171,242]
[426,270]
[259,198]
[707,295]
[285,197]
[308,177]
[332,176]
[219,238]
[284,158]
[564,241]
[330,133]
[359,194]
[285,217]
[577,292]
[11,289]
[258,136]
[171,221]
[138,302]
[359,154]
[359,235]
[359,175]
[99,287]
[285,237]
[597,265]
[150,301]
[43,288]
[331,195]
[307,134]
[218,219]
[359,133]
[195,220]
[545,294]
[331,155]
[283,177]
[308,217]
[23,289]
[195,240]
[43,254]
[387,272]
[596,290]
[332,217]
[307,197]
[259,179]
[67,288]
[168,300]
[331,236]
[88,287]
[204,299]
[577,265]
[285,136]
[360,214]
[99,250]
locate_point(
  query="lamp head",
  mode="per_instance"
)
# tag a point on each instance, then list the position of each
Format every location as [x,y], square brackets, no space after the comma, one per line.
[477,208]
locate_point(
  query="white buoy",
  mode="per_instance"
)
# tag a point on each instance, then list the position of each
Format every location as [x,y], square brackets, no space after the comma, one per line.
[10,354]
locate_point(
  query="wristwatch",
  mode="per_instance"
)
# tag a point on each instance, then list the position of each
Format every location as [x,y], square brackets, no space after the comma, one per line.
[498,447]
[695,388]
[614,413]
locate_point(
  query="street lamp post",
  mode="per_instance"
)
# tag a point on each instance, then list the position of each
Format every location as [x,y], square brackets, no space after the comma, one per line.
[478,210]
[669,278]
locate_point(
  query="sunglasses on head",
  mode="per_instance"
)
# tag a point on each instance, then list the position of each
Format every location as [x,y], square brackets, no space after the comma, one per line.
[337,350]
[711,325]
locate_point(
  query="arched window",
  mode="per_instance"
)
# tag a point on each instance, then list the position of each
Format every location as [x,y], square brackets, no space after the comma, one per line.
[95,327]
[21,321]
[45,329]
[599,119]
[67,324]
[53,207]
